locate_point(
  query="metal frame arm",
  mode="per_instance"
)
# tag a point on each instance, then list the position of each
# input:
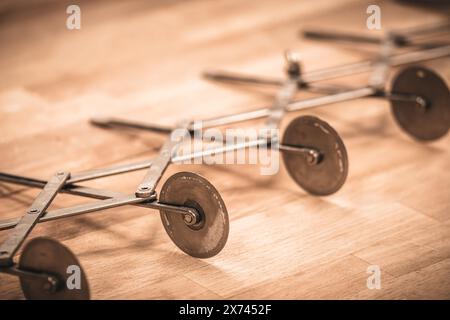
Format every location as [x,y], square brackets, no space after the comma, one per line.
[401,37]
[161,162]
[111,199]
[13,242]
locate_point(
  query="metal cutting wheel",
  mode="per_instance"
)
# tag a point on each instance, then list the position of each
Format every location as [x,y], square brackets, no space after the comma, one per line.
[45,255]
[330,172]
[208,235]
[429,122]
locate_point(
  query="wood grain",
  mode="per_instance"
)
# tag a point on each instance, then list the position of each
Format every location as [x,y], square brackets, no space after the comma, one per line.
[143,60]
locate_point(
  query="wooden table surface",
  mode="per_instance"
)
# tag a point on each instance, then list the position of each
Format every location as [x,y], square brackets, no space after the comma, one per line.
[143,60]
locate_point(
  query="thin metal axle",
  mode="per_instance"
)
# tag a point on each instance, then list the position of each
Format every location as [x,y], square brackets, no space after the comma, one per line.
[112,199]
[14,270]
[417,100]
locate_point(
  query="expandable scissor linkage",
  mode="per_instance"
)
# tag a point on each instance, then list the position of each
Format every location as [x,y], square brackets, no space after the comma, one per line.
[420,110]
[191,209]
[318,163]
[419,97]
[186,199]
[403,38]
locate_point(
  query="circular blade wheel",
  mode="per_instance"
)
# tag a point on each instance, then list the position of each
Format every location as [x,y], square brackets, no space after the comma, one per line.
[208,236]
[423,123]
[49,256]
[329,174]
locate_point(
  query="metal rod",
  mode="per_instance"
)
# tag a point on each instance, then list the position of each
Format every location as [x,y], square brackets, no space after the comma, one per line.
[91,207]
[145,164]
[335,98]
[294,105]
[14,270]
[264,112]
[13,242]
[399,40]
[319,75]
[323,74]
[106,194]
[401,37]
[417,100]
[313,156]
[161,162]
[262,141]
[25,181]
[378,77]
[235,118]
[260,113]
[98,173]
[286,93]
[278,109]
[323,88]
[82,209]
[113,122]
[105,172]
[222,149]
[242,78]
[68,188]
[381,68]
[426,30]
[116,199]
[236,77]
[367,65]
[341,36]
